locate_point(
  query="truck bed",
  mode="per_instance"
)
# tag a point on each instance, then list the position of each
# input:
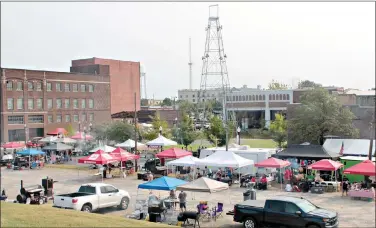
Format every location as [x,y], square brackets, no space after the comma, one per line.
[252,203]
[76,194]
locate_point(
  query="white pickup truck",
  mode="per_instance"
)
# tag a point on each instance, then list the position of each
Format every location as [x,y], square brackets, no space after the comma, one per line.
[91,197]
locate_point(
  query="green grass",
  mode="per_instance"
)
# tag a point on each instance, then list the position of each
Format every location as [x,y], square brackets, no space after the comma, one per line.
[22,215]
[65,166]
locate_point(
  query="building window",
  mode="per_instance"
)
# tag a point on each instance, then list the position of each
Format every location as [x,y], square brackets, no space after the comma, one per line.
[193,100]
[15,120]
[91,103]
[280,96]
[49,86]
[256,97]
[36,119]
[67,87]
[67,118]
[91,117]
[39,86]
[67,103]
[284,97]
[75,118]
[75,88]
[10,104]
[20,103]
[75,103]
[58,87]
[58,103]
[19,86]
[83,88]
[83,118]
[260,97]
[40,103]
[83,103]
[58,118]
[9,85]
[50,119]
[263,97]
[193,95]
[91,88]
[30,86]
[287,97]
[49,103]
[30,103]
[273,97]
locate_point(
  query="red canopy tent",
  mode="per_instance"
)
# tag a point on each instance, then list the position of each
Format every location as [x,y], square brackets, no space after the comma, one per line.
[273,163]
[122,155]
[99,157]
[58,131]
[13,145]
[173,153]
[326,165]
[80,135]
[366,168]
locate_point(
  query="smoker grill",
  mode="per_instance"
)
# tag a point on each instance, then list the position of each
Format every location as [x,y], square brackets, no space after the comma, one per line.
[183,217]
[33,194]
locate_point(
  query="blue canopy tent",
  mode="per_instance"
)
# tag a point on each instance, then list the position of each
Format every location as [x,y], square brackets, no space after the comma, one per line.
[31,152]
[162,183]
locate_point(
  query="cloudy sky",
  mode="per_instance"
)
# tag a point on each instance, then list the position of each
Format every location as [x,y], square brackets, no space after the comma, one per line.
[329,43]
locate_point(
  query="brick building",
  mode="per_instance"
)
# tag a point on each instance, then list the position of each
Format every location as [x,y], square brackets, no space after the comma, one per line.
[36,102]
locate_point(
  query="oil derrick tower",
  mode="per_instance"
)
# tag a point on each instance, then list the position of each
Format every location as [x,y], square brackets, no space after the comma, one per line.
[214,76]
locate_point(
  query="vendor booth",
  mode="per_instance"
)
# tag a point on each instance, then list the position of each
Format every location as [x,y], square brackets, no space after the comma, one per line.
[105,148]
[99,158]
[32,158]
[48,139]
[172,153]
[274,163]
[129,144]
[349,161]
[13,145]
[161,141]
[326,165]
[123,157]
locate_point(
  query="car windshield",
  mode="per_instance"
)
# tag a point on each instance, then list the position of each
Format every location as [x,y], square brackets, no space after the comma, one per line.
[87,189]
[306,206]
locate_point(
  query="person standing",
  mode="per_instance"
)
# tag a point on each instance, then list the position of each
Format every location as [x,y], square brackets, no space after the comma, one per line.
[183,201]
[345,186]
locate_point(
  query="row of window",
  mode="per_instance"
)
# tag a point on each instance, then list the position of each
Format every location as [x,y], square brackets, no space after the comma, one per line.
[272,97]
[40,118]
[58,103]
[67,118]
[37,86]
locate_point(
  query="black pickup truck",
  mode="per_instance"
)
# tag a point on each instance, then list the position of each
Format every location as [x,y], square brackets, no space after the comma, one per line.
[283,211]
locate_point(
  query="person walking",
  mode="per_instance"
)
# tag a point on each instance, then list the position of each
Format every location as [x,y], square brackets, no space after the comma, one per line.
[183,201]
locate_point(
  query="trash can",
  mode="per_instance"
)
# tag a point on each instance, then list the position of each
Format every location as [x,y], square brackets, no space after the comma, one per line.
[253,194]
[247,195]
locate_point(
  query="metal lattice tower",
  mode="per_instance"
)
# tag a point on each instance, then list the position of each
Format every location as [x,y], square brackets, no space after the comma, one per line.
[143,94]
[214,74]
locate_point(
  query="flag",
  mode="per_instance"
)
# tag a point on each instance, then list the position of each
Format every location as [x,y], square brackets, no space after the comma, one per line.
[342,148]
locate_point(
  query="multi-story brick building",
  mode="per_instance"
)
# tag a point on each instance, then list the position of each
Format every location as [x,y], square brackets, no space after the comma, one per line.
[36,102]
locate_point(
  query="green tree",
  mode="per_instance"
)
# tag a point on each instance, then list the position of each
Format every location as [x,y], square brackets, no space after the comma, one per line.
[167,102]
[154,131]
[186,131]
[216,134]
[70,130]
[308,84]
[278,129]
[186,107]
[318,115]
[274,85]
[117,131]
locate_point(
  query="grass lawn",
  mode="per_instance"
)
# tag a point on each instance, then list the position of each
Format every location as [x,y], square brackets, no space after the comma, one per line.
[22,215]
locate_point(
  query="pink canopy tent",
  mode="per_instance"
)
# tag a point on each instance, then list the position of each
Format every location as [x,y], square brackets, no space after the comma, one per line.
[172,153]
[274,163]
[326,165]
[99,157]
[13,145]
[366,168]
[80,136]
[58,131]
[123,155]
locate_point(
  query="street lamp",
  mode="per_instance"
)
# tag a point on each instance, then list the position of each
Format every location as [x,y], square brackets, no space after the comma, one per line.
[238,130]
[160,130]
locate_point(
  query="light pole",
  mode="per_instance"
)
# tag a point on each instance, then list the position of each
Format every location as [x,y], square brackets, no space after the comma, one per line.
[79,126]
[85,138]
[238,135]
[25,127]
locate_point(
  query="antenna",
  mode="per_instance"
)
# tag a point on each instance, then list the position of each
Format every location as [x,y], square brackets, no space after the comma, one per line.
[190,64]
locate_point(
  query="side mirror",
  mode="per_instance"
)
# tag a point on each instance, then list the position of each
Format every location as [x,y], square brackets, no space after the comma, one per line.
[298,213]
[117,190]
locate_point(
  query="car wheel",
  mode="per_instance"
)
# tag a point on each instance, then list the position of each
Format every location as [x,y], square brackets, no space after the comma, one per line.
[86,208]
[124,203]
[249,223]
[41,201]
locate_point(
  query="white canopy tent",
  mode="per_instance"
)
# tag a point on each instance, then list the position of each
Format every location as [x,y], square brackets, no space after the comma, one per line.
[225,159]
[184,161]
[161,141]
[105,148]
[65,140]
[48,139]
[130,144]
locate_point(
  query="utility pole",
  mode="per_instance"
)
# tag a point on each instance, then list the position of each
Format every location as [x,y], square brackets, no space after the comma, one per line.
[372,132]
[190,64]
[135,129]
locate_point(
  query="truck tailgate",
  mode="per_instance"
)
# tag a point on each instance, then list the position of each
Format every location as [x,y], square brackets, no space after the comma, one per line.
[63,201]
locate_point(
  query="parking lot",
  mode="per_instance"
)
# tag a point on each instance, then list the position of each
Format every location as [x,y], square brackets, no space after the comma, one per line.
[352,213]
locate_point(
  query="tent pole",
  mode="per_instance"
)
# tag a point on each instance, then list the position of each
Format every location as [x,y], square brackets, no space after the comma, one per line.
[280,176]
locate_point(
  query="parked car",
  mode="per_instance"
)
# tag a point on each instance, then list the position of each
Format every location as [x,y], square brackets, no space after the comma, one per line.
[283,211]
[94,196]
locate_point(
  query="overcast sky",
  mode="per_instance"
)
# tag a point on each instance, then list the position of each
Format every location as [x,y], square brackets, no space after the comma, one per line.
[329,43]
